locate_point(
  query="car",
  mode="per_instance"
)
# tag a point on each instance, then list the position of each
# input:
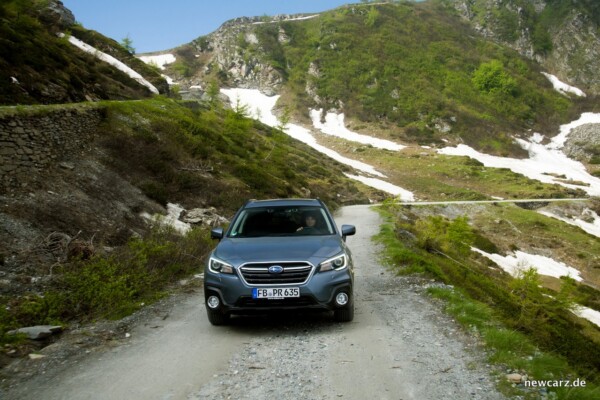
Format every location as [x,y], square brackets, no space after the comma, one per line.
[281,254]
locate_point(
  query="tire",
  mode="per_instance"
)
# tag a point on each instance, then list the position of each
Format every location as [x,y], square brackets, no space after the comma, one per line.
[345,314]
[216,318]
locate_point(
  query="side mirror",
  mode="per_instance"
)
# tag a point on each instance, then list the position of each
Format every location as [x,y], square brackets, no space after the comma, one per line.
[348,230]
[216,233]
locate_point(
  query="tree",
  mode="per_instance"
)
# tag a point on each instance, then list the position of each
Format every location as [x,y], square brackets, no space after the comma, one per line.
[127,43]
[284,119]
[213,93]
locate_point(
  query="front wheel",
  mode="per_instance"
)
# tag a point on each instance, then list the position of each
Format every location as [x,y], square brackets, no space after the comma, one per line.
[216,317]
[345,314]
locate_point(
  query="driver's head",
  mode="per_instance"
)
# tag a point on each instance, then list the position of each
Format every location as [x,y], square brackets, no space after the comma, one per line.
[310,219]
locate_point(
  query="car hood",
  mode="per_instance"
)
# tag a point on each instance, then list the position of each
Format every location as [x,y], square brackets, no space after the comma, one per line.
[316,249]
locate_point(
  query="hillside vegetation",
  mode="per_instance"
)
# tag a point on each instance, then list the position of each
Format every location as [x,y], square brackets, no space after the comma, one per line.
[527,327]
[74,245]
[562,35]
[216,155]
[415,70]
[38,67]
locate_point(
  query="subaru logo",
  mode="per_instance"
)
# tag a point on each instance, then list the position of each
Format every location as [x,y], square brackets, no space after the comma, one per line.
[275,269]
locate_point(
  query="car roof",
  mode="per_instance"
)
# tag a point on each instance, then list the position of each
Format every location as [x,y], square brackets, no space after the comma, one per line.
[283,202]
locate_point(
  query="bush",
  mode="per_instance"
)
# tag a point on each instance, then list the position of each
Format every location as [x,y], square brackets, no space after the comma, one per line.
[111,286]
[491,78]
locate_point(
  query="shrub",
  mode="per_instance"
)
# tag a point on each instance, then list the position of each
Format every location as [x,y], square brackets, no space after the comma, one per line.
[111,286]
[492,78]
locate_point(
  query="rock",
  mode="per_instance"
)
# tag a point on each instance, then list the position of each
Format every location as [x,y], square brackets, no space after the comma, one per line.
[514,378]
[56,13]
[204,216]
[66,165]
[532,205]
[583,142]
[38,332]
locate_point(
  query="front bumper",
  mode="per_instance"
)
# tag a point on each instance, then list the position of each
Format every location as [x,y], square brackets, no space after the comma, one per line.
[316,294]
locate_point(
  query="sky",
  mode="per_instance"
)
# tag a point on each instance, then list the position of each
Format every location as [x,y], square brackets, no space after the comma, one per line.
[155,25]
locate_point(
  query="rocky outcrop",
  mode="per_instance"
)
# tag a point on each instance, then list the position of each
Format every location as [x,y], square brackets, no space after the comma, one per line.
[576,53]
[235,51]
[583,143]
[574,48]
[57,14]
[203,216]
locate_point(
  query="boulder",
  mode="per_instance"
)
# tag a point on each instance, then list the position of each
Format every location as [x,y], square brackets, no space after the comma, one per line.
[204,216]
[38,332]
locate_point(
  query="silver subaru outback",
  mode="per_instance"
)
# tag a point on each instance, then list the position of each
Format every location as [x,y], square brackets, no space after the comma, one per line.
[280,255]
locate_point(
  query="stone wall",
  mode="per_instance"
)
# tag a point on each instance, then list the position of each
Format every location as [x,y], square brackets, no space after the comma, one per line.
[39,138]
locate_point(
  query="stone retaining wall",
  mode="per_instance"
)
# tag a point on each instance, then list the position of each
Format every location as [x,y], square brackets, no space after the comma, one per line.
[37,139]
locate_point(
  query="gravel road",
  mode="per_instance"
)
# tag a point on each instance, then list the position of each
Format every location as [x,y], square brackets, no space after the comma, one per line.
[399,346]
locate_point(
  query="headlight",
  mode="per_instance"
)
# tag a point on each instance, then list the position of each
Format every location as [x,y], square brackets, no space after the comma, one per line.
[218,266]
[338,262]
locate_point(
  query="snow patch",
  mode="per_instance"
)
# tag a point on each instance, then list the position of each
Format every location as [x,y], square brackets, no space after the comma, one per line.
[334,126]
[546,163]
[261,106]
[379,184]
[593,228]
[562,87]
[522,261]
[288,19]
[112,61]
[590,314]
[159,60]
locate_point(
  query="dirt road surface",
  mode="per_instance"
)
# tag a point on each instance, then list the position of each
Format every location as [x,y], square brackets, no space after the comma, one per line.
[399,346]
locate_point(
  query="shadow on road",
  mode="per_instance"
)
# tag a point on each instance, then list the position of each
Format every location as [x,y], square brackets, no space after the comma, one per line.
[284,323]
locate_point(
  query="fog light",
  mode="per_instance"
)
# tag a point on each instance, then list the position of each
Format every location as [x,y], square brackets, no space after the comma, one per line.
[213,302]
[342,299]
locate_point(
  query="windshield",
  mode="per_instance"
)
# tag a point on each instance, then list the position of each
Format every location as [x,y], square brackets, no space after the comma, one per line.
[281,221]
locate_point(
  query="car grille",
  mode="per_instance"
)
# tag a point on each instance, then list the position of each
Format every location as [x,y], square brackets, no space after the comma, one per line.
[293,273]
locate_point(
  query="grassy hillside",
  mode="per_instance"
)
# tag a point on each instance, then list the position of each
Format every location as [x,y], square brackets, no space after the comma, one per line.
[411,68]
[48,69]
[185,154]
[526,326]
[73,243]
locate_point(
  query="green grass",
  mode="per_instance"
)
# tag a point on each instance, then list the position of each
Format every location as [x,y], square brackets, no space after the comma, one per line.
[109,286]
[432,70]
[170,150]
[522,326]
[51,70]
[438,177]
[512,349]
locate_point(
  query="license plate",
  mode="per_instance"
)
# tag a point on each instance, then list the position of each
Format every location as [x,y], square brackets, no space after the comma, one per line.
[275,293]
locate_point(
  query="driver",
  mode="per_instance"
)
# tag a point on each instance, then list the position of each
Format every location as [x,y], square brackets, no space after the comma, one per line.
[310,224]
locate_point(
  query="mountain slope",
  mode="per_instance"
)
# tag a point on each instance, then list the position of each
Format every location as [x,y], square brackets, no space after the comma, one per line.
[416,71]
[562,35]
[38,67]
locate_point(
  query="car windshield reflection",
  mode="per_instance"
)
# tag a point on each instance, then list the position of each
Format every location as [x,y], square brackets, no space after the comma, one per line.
[281,221]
